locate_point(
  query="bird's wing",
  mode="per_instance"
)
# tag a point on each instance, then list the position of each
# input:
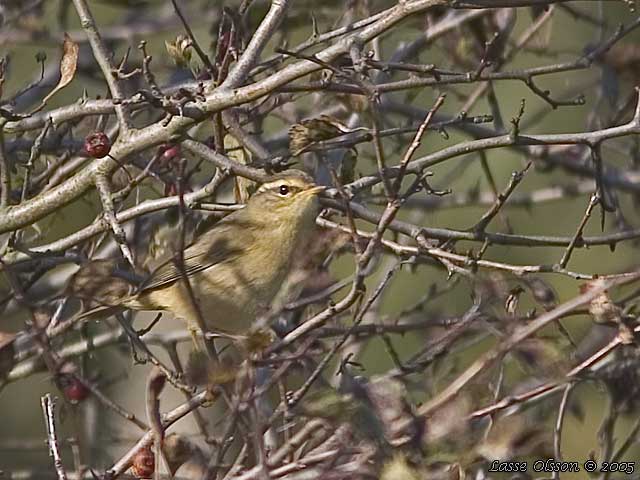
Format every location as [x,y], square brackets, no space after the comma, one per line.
[210,249]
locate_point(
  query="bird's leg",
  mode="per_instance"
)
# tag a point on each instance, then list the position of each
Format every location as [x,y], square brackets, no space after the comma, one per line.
[131,337]
[196,334]
[144,331]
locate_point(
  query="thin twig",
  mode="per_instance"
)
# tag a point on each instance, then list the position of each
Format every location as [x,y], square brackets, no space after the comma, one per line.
[102,185]
[516,178]
[48,409]
[103,57]
[557,431]
[593,201]
[194,42]
[415,144]
[5,171]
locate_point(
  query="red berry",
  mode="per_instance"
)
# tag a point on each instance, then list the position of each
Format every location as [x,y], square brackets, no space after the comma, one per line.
[74,390]
[169,153]
[97,145]
[143,464]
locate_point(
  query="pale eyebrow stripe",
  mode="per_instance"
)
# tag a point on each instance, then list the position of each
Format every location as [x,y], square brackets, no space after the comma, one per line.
[267,186]
[276,183]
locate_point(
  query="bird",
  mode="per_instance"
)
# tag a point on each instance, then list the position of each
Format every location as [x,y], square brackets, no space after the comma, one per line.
[237,267]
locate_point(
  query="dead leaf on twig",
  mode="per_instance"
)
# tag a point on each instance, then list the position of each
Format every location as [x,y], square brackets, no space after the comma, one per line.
[303,134]
[68,65]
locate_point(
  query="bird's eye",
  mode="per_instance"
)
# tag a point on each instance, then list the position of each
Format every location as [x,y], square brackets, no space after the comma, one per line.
[283,190]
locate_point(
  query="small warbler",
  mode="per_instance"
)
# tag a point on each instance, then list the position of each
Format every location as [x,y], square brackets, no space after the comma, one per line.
[237,267]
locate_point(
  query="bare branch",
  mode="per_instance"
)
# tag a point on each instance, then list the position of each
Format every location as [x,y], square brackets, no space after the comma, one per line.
[48,409]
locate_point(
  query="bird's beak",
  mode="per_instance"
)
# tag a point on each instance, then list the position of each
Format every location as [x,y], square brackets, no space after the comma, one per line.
[316,190]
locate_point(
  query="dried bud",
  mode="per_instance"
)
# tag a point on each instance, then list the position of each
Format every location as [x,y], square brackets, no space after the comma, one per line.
[97,145]
[179,50]
[143,465]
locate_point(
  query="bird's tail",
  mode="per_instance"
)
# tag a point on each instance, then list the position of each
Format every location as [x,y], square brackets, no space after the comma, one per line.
[104,310]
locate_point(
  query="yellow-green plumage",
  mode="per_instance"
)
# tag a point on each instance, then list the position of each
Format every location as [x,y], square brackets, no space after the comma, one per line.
[237,267]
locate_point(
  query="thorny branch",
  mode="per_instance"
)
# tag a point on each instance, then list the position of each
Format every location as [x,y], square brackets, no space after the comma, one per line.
[408,273]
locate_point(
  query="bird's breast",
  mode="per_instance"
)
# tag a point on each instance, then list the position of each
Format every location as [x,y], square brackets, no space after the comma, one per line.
[233,293]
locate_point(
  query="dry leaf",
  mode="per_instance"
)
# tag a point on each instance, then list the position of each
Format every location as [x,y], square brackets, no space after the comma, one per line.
[244,187]
[602,308]
[303,134]
[68,65]
[179,50]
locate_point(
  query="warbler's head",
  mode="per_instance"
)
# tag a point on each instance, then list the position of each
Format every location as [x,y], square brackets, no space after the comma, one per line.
[289,197]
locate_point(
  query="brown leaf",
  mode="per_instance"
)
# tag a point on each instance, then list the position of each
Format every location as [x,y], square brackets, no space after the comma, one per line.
[303,134]
[180,50]
[602,308]
[68,65]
